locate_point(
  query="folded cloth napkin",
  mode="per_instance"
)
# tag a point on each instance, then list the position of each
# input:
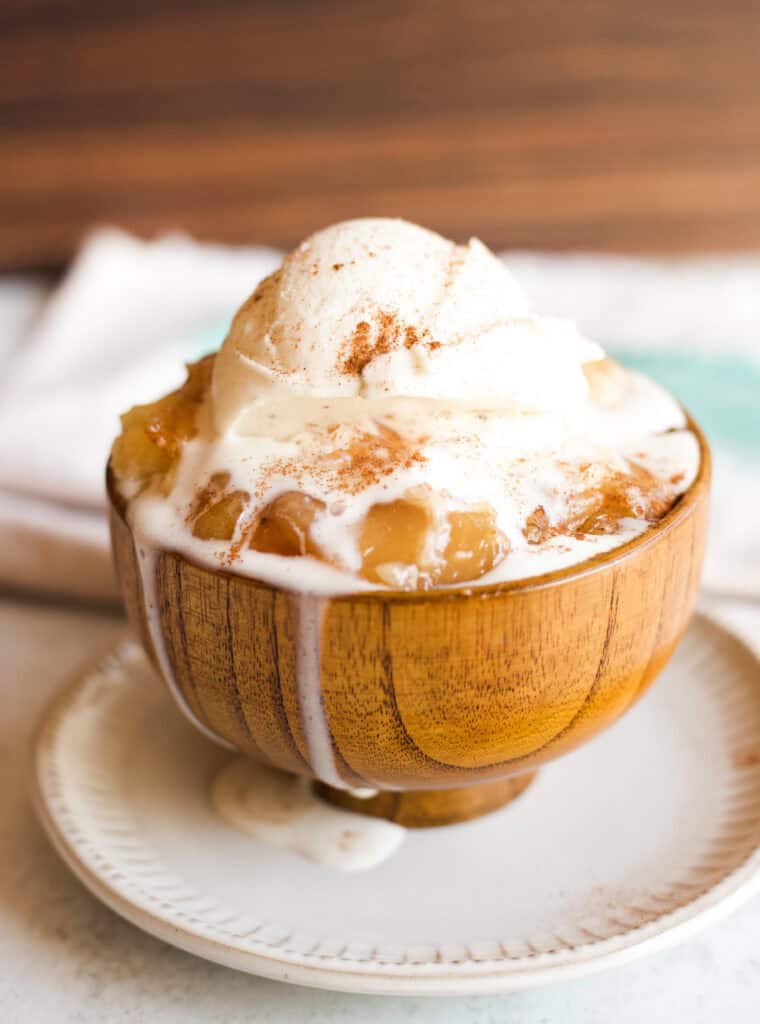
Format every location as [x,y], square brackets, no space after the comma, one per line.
[130,313]
[117,331]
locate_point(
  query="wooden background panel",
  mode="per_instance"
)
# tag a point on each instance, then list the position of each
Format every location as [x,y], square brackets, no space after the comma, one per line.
[595,124]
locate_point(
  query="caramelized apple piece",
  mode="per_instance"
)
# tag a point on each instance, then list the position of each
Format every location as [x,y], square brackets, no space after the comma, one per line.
[475,545]
[284,527]
[392,542]
[537,527]
[152,435]
[405,544]
[216,510]
[637,494]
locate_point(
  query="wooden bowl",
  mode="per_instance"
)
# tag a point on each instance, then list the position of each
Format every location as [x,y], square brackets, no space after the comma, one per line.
[454,690]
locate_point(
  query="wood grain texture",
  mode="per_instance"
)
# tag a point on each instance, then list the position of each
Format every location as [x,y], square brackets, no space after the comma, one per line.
[592,125]
[431,690]
[422,808]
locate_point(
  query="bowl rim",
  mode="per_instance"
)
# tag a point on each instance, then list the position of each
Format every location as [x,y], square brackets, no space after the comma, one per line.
[681,510]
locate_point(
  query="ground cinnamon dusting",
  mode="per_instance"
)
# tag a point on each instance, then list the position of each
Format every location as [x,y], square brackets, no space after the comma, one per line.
[361,350]
[370,457]
[365,459]
[390,334]
[411,338]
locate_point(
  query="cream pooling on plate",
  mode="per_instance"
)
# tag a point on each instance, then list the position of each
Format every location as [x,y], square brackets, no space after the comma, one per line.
[382,359]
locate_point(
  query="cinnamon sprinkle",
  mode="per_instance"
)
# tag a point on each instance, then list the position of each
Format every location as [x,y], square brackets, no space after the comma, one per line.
[361,350]
[391,333]
[364,459]
[411,338]
[370,457]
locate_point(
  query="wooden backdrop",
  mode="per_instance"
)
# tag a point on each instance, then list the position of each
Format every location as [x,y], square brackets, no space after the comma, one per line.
[600,124]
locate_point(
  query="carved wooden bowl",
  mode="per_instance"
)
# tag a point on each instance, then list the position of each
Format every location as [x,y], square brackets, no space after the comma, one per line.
[444,701]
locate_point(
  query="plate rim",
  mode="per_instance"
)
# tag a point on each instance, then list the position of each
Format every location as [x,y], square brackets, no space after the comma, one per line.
[468,977]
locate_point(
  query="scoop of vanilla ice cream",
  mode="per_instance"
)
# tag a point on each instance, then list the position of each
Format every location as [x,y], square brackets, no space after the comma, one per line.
[379,309]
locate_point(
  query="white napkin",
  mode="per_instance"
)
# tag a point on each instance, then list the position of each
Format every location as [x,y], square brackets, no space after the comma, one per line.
[129,314]
[117,331]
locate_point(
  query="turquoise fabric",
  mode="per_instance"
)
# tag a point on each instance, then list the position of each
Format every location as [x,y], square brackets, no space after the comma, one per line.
[199,344]
[722,391]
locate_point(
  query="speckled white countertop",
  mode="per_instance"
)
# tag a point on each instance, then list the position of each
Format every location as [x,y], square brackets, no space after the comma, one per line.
[67,958]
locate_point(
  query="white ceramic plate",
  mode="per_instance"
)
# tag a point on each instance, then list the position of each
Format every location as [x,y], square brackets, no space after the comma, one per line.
[625,846]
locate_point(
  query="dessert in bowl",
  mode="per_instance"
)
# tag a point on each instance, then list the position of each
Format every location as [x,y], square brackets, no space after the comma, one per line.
[402,535]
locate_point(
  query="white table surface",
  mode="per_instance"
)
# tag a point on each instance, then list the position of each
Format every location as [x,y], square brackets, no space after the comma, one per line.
[64,957]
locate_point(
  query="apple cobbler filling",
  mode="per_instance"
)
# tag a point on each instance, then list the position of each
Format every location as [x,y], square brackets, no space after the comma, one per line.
[152,435]
[417,541]
[634,494]
[409,543]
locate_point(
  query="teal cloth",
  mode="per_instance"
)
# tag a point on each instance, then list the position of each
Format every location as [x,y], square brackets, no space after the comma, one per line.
[721,391]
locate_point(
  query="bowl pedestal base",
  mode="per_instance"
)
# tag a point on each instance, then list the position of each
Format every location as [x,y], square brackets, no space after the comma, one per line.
[423,808]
